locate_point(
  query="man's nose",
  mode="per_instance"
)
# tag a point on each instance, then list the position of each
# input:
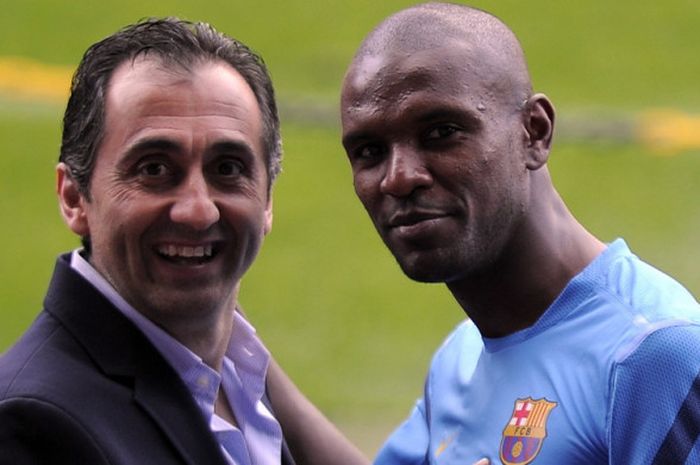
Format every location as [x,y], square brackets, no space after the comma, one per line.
[194,205]
[405,172]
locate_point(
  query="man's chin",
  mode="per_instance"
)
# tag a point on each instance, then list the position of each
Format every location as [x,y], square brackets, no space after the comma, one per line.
[179,305]
[422,272]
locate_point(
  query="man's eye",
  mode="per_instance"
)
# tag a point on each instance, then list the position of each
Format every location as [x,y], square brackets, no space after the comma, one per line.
[229,168]
[368,152]
[441,132]
[154,169]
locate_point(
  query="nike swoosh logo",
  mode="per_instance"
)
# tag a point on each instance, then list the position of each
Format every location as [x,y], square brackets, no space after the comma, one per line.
[444,444]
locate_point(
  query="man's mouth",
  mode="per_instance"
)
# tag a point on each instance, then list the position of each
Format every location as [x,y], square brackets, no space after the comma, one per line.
[417,224]
[187,254]
[402,219]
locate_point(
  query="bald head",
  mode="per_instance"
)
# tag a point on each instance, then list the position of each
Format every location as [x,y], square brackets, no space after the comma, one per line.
[485,40]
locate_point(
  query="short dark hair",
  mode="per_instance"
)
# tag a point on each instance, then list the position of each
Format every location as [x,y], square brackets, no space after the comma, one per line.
[174,42]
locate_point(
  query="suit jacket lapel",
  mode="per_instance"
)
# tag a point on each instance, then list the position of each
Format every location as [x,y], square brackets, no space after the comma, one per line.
[122,351]
[162,394]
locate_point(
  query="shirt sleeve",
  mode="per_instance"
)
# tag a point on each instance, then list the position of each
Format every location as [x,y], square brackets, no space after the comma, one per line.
[408,445]
[655,410]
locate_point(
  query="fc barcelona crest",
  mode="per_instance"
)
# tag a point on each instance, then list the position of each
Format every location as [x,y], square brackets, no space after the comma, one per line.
[525,432]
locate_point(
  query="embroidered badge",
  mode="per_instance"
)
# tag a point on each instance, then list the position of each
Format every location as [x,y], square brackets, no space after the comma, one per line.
[525,432]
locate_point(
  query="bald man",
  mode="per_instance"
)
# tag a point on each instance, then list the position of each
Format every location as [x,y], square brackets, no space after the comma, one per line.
[575,351]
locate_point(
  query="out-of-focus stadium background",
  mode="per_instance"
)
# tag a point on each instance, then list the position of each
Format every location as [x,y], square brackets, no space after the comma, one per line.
[325,295]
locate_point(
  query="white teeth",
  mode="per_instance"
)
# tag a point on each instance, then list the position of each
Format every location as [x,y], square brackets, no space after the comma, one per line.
[185,251]
[199,251]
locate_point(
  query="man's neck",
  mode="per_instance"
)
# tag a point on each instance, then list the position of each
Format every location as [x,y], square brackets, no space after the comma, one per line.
[530,274]
[209,341]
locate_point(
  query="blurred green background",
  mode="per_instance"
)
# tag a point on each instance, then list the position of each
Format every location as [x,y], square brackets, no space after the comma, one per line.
[326,296]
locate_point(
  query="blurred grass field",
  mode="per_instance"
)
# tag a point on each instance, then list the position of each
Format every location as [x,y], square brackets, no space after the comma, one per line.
[326,296]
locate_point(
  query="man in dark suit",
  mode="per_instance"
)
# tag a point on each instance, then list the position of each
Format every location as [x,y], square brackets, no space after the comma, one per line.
[170,147]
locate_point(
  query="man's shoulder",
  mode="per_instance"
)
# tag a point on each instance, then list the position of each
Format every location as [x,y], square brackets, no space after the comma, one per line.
[45,364]
[47,377]
[630,301]
[647,293]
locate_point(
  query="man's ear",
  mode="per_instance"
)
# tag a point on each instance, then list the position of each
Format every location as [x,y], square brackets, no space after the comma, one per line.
[538,117]
[71,201]
[268,215]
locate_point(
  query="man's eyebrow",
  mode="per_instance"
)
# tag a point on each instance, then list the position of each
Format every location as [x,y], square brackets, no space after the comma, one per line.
[160,144]
[459,115]
[232,146]
[353,138]
[154,145]
[468,119]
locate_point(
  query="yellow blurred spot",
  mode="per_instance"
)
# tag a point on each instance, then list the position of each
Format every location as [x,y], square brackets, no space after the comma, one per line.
[444,444]
[23,77]
[668,131]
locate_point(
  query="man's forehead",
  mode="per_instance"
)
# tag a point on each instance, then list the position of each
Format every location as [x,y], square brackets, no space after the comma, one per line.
[448,65]
[151,65]
[133,77]
[410,89]
[146,99]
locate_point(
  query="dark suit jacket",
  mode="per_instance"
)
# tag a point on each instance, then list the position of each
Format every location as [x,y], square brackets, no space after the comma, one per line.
[84,386]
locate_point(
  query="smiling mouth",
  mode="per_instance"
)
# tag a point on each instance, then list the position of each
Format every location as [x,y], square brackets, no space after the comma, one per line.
[186,254]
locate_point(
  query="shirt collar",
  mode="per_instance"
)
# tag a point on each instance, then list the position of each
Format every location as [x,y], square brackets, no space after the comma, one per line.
[245,353]
[242,375]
